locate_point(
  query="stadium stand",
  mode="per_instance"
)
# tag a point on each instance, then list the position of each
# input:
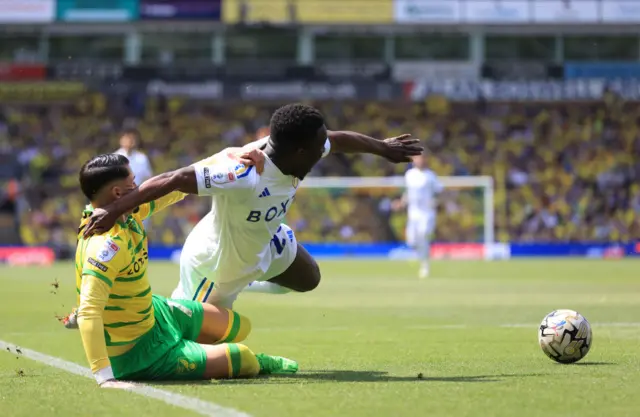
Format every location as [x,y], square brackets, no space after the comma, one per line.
[565,171]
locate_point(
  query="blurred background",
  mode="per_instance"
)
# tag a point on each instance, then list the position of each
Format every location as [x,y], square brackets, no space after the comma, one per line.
[539,96]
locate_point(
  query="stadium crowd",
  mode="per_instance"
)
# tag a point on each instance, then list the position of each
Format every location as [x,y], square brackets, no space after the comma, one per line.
[563,171]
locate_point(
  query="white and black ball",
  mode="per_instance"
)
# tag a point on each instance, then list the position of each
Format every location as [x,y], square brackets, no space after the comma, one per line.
[565,336]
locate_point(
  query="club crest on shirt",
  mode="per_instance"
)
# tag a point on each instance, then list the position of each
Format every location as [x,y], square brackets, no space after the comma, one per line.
[108,251]
[241,170]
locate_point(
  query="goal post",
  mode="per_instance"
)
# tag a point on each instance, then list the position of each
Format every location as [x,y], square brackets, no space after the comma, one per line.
[397,183]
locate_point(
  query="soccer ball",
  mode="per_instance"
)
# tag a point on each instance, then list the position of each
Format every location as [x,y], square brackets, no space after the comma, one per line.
[565,336]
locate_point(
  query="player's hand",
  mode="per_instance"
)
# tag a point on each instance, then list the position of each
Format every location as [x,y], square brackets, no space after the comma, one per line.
[250,157]
[397,205]
[101,221]
[401,148]
[114,384]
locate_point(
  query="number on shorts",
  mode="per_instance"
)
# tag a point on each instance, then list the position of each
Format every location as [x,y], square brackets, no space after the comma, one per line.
[279,244]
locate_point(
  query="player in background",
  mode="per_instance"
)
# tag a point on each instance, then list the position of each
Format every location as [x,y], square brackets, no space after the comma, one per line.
[138,161]
[127,332]
[243,239]
[420,200]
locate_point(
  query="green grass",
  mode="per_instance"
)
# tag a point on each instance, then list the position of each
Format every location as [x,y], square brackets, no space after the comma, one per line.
[363,337]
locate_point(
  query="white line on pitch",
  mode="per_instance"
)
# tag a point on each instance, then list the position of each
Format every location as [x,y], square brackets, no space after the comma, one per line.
[188,403]
[302,329]
[436,326]
[613,324]
[428,327]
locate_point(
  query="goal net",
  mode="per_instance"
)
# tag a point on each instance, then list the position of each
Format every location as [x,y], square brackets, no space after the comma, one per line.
[356,216]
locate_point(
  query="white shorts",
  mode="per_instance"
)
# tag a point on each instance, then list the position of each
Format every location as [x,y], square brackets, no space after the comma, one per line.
[195,286]
[420,229]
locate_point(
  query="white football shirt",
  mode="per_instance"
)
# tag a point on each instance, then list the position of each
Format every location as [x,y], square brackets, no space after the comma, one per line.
[234,240]
[139,163]
[422,188]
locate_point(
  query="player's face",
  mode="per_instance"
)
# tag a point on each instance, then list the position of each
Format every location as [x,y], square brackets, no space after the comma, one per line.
[419,161]
[120,188]
[308,157]
[128,142]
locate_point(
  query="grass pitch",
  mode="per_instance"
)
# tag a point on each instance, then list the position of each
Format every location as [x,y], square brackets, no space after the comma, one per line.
[372,340]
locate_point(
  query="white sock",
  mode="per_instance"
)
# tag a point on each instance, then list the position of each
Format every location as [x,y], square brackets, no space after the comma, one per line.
[266,287]
[424,250]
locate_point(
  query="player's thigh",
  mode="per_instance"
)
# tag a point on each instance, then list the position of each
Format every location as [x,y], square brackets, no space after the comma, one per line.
[179,360]
[193,284]
[411,233]
[204,323]
[430,226]
[185,361]
[225,293]
[416,231]
[283,254]
[302,275]
[222,325]
[419,230]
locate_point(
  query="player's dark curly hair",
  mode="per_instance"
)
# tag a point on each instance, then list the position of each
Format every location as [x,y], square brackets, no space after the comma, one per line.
[101,170]
[295,126]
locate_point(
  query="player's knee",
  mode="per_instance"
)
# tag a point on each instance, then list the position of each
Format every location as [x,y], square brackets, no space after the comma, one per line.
[239,328]
[312,279]
[242,360]
[245,329]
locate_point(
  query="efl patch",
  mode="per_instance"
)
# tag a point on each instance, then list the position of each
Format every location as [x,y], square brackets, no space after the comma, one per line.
[97,264]
[223,177]
[108,251]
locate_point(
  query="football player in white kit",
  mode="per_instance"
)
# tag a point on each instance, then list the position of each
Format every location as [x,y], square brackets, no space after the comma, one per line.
[420,199]
[242,242]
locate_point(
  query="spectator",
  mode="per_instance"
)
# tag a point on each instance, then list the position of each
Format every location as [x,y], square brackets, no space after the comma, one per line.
[563,171]
[139,162]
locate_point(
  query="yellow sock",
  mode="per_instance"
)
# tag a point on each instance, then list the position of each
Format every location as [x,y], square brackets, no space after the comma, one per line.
[242,361]
[238,328]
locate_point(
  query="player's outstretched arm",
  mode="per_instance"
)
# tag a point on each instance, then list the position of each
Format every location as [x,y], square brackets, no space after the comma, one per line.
[104,218]
[194,179]
[397,149]
[203,178]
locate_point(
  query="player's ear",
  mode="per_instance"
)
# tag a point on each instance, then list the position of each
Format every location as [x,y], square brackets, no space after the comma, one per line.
[116,192]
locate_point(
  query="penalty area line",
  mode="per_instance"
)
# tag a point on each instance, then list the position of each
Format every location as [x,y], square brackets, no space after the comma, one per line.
[201,407]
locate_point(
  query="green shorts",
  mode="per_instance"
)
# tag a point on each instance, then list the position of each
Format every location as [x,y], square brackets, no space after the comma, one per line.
[168,351]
